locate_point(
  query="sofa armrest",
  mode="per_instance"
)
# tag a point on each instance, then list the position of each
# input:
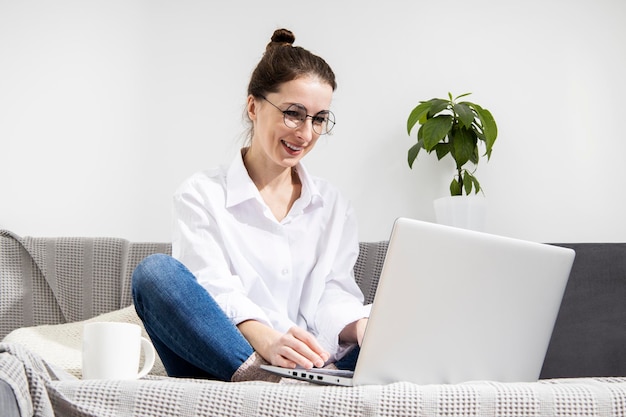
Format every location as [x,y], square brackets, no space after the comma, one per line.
[8,402]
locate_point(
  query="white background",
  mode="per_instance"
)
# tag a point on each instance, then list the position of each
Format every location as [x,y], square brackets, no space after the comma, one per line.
[106,106]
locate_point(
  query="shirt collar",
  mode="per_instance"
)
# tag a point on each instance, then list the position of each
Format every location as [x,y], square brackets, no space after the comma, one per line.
[240,188]
[310,195]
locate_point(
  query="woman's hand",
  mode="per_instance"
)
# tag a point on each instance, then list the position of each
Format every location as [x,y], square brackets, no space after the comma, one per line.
[297,347]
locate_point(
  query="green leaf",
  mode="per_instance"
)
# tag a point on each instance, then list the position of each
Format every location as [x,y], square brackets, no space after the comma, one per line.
[435,129]
[413,152]
[465,113]
[418,113]
[455,187]
[467,182]
[478,130]
[442,149]
[474,158]
[437,105]
[462,95]
[470,180]
[489,127]
[463,145]
[476,184]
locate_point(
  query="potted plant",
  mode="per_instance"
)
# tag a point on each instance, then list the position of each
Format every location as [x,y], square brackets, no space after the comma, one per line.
[455,128]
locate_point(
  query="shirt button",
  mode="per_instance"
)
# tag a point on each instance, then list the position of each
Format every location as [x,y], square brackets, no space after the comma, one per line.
[285,271]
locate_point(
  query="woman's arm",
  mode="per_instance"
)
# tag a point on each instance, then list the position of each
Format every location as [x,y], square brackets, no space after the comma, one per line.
[353,332]
[296,347]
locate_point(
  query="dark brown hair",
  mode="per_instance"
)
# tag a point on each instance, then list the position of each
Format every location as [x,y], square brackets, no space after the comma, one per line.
[283,62]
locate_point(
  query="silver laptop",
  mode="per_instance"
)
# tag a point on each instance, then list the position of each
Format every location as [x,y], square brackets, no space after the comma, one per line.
[455,305]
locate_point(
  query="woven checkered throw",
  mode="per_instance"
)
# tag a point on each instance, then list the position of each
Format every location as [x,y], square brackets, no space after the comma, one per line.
[43,391]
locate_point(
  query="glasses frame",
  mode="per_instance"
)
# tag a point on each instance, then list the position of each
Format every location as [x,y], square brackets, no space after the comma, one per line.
[330,119]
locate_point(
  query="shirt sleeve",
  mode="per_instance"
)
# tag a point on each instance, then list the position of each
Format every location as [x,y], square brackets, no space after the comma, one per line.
[198,244]
[341,302]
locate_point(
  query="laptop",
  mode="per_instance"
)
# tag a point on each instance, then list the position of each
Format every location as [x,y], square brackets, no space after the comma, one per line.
[455,305]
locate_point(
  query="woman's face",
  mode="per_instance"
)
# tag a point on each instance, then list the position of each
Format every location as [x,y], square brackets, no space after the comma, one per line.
[280,145]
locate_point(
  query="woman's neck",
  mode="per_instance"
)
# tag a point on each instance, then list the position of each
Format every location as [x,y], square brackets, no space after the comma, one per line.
[279,186]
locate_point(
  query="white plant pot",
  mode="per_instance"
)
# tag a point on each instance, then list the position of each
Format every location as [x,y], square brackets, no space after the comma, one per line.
[463,211]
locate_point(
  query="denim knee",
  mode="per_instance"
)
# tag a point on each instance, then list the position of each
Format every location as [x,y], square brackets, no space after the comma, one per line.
[145,270]
[152,273]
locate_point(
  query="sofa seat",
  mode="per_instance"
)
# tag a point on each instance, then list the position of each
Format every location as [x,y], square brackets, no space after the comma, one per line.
[598,397]
[54,393]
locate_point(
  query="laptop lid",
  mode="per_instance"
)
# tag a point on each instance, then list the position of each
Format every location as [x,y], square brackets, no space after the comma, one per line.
[455,305]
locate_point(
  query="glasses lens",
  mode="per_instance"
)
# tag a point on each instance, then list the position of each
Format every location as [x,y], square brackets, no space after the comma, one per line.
[295,115]
[323,122]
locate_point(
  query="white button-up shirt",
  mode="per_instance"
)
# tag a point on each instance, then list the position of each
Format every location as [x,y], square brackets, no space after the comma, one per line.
[298,271]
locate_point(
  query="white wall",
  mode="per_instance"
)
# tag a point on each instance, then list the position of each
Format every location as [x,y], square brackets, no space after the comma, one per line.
[106,106]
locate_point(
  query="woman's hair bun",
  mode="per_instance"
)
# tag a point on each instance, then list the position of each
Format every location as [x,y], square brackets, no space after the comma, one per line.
[282,37]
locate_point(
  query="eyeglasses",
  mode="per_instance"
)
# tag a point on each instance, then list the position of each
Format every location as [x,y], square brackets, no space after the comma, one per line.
[296,114]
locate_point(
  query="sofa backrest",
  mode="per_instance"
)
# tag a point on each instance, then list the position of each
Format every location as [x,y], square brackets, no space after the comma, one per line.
[67,279]
[589,337]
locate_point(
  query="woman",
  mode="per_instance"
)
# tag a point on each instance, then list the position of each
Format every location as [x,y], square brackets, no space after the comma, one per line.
[263,252]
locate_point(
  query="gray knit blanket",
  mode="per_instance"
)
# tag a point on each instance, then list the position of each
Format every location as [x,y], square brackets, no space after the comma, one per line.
[46,392]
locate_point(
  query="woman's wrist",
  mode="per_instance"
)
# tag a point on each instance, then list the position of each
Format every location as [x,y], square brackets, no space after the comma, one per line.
[353,332]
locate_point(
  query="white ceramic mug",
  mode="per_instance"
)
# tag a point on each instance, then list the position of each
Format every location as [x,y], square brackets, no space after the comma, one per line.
[111,350]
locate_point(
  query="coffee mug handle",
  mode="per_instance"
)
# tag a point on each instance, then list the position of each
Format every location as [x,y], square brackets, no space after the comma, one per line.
[149,356]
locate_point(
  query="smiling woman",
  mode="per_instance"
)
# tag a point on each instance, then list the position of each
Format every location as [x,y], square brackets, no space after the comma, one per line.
[263,252]
[277,142]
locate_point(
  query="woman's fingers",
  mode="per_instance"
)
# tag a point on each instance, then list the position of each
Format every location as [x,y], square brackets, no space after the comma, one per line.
[299,347]
[310,341]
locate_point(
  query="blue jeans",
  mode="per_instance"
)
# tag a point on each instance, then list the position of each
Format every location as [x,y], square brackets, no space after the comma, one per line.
[191,333]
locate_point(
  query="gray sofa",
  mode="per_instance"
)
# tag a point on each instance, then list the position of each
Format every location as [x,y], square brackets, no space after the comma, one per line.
[50,281]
